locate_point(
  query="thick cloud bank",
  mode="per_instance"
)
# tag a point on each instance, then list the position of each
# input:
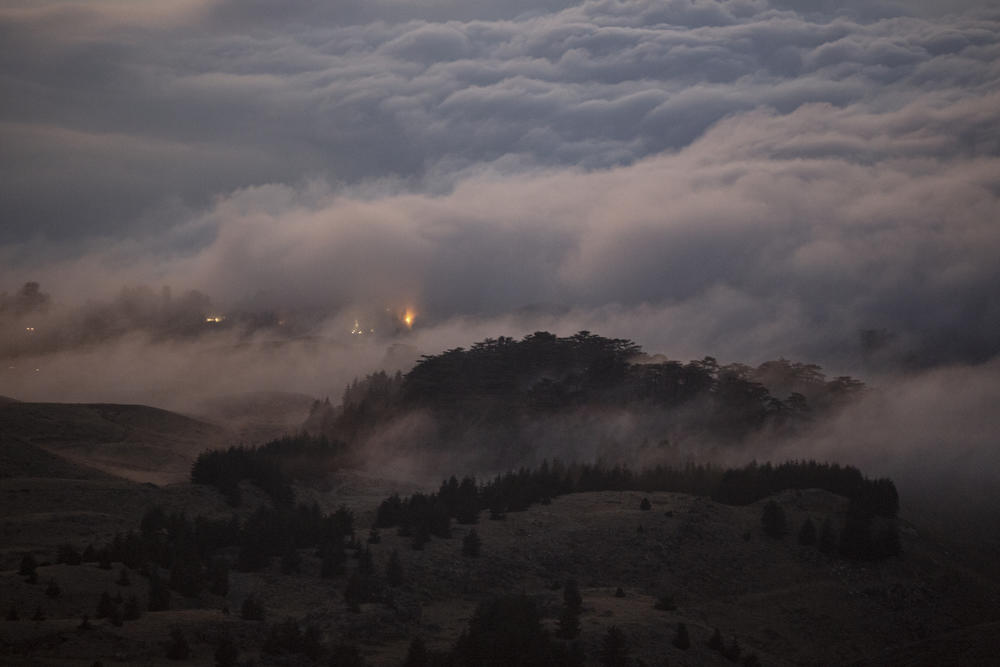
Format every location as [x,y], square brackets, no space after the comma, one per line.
[772,170]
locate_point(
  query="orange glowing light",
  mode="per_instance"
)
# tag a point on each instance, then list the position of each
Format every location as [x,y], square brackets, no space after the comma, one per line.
[408,318]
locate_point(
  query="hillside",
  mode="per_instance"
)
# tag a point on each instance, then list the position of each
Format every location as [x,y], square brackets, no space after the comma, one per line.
[788,604]
[132,441]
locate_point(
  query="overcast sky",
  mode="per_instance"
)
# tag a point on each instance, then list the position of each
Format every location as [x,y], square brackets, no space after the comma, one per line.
[744,178]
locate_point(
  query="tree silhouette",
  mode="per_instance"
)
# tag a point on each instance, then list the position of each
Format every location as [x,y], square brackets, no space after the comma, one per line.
[681,638]
[807,533]
[614,648]
[159,594]
[105,606]
[178,648]
[252,609]
[394,570]
[218,576]
[665,602]
[571,595]
[68,554]
[471,544]
[827,537]
[346,655]
[354,593]
[226,653]
[416,655]
[715,641]
[569,623]
[131,611]
[773,520]
[28,565]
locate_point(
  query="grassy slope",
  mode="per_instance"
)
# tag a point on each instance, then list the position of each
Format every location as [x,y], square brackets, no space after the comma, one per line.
[132,441]
[787,603]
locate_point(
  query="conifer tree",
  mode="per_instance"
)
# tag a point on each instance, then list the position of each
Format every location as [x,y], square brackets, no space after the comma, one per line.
[28,565]
[715,642]
[420,537]
[68,554]
[291,562]
[614,648]
[218,576]
[185,571]
[827,537]
[252,609]
[807,533]
[682,639]
[346,655]
[131,611]
[732,651]
[105,607]
[366,565]
[471,544]
[354,593]
[333,559]
[571,595]
[569,623]
[773,519]
[159,594]
[416,655]
[178,648]
[394,570]
[226,653]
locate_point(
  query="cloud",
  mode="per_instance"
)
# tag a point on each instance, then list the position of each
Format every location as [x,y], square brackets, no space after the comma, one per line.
[224,96]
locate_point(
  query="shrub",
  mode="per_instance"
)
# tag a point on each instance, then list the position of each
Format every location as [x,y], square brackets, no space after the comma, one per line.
[28,565]
[132,612]
[614,648]
[715,642]
[471,544]
[226,653]
[807,534]
[682,639]
[178,648]
[569,623]
[105,606]
[773,520]
[665,602]
[394,570]
[252,609]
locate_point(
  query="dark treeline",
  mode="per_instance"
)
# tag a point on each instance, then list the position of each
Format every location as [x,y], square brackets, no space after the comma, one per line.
[271,466]
[424,515]
[197,554]
[506,382]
